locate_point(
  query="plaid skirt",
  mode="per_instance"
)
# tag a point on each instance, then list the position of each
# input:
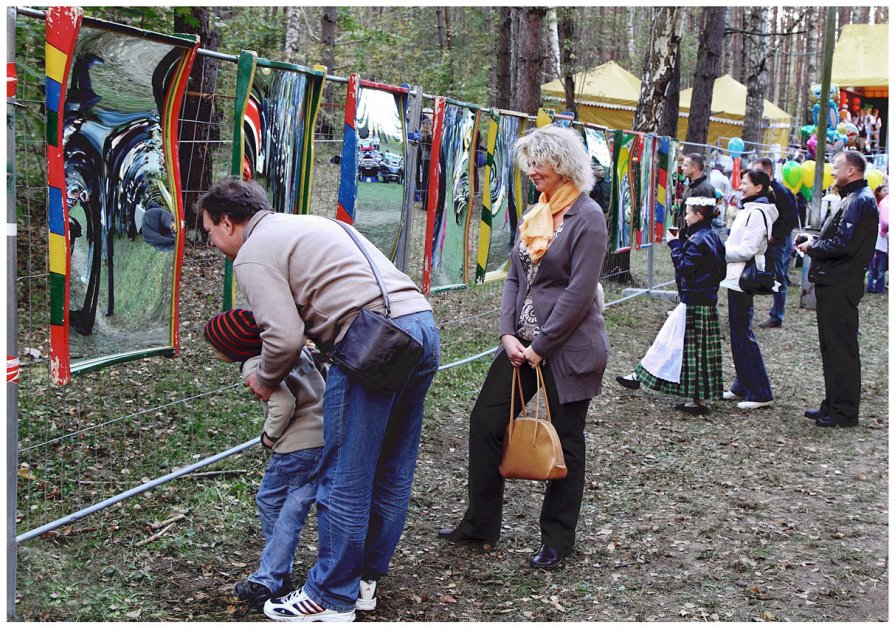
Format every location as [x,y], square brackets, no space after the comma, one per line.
[701,376]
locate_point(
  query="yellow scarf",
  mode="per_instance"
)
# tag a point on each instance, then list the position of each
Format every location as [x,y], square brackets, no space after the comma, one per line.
[536,230]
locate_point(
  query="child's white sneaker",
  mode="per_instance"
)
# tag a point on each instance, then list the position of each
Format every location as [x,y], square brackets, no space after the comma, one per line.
[366,599]
[297,606]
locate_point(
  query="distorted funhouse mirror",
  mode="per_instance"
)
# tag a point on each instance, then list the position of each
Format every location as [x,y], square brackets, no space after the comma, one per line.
[381,148]
[123,208]
[455,191]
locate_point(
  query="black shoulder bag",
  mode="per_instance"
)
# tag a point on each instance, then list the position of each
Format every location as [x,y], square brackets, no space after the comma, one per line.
[374,350]
[752,280]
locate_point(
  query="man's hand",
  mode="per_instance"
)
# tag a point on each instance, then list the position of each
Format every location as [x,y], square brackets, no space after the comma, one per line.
[267,441]
[258,389]
[514,349]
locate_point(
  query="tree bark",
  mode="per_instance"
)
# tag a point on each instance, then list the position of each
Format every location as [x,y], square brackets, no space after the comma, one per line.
[708,61]
[671,110]
[566,28]
[530,58]
[844,18]
[328,37]
[811,59]
[756,73]
[439,24]
[504,84]
[293,38]
[658,67]
[554,64]
[738,43]
[200,120]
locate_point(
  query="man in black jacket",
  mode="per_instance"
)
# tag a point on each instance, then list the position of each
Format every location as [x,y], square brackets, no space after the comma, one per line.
[694,170]
[839,259]
[780,242]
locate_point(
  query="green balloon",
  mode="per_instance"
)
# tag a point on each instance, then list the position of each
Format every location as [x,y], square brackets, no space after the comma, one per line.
[808,193]
[792,174]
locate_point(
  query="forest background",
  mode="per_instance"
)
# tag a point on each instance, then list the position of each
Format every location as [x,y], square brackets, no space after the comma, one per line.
[499,56]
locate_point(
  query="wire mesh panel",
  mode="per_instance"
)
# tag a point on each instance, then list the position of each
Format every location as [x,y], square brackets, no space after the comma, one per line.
[328,150]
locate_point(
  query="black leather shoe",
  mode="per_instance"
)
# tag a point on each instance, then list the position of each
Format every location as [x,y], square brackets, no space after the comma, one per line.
[455,536]
[694,409]
[770,323]
[630,384]
[546,558]
[814,415]
[828,421]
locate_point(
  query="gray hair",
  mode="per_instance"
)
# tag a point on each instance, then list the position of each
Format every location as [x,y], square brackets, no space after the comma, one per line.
[559,147]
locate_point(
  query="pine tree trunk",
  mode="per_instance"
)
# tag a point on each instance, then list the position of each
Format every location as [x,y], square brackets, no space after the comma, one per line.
[813,25]
[530,58]
[708,61]
[199,126]
[566,31]
[738,51]
[504,84]
[671,110]
[756,73]
[844,19]
[665,38]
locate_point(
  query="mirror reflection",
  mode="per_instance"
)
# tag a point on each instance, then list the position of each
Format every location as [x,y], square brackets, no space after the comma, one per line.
[273,129]
[379,209]
[122,219]
[620,223]
[645,202]
[504,209]
[455,192]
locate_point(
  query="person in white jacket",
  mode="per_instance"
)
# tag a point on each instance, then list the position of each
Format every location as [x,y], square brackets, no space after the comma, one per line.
[748,240]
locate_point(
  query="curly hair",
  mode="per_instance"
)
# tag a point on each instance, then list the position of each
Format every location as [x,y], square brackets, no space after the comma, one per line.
[559,147]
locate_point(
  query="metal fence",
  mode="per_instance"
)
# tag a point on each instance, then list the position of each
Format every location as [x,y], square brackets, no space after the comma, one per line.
[117,432]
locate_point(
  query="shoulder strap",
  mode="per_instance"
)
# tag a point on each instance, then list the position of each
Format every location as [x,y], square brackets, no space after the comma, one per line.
[388,311]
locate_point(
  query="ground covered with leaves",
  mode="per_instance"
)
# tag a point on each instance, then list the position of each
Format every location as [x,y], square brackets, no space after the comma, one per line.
[737,516]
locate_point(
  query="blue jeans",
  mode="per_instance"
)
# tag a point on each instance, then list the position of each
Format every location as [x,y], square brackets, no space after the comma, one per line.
[876,281]
[751,381]
[778,255]
[284,498]
[369,458]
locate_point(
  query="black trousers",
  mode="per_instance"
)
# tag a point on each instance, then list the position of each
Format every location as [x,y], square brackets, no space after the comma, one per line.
[487,427]
[837,329]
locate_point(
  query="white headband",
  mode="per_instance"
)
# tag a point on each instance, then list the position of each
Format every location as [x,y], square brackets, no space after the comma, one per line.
[703,201]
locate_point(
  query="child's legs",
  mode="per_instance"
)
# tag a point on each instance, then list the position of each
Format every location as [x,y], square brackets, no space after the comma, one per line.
[284,498]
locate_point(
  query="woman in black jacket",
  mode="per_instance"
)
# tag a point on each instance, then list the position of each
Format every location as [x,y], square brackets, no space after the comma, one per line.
[699,267]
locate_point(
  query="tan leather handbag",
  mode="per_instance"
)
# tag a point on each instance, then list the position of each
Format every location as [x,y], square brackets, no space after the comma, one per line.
[531,448]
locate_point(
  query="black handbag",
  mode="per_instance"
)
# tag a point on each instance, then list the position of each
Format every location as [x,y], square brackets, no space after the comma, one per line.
[754,281]
[374,350]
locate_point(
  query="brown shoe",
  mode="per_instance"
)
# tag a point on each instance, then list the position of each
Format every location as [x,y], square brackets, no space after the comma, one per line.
[771,322]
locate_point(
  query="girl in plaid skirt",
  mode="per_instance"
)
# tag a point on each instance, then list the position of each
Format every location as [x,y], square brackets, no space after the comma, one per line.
[699,267]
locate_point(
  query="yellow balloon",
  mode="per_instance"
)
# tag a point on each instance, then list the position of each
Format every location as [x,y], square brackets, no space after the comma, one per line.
[874,178]
[828,176]
[808,173]
[794,190]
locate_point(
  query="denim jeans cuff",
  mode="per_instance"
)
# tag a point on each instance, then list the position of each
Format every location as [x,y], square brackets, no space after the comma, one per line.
[321,600]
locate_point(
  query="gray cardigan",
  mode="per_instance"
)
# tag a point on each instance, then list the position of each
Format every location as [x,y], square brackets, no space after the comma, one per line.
[572,334]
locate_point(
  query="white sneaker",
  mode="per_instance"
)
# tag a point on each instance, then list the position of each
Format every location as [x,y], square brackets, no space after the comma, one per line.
[297,606]
[366,599]
[730,396]
[753,405]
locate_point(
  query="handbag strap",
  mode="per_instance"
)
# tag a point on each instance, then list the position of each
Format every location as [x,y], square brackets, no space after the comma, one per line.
[516,385]
[388,310]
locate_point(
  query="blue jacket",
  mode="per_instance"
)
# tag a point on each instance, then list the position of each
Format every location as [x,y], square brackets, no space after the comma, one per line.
[699,264]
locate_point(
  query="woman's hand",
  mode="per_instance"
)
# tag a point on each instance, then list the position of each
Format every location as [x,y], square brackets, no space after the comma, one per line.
[514,349]
[531,357]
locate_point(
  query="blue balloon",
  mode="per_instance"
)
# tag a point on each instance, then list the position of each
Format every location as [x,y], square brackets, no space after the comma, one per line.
[736,147]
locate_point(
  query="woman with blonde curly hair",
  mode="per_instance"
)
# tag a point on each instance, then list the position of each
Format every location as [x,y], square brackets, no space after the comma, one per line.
[551,315]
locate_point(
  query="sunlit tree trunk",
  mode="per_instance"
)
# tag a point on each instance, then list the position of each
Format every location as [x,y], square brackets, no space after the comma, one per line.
[665,37]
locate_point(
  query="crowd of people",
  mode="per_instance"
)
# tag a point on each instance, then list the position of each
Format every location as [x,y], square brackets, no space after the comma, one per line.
[352,449]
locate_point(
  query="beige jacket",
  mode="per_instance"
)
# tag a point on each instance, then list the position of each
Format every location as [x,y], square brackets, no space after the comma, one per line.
[294,413]
[303,277]
[748,240]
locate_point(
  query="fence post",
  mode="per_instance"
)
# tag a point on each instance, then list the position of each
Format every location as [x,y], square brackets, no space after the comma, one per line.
[12,352]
